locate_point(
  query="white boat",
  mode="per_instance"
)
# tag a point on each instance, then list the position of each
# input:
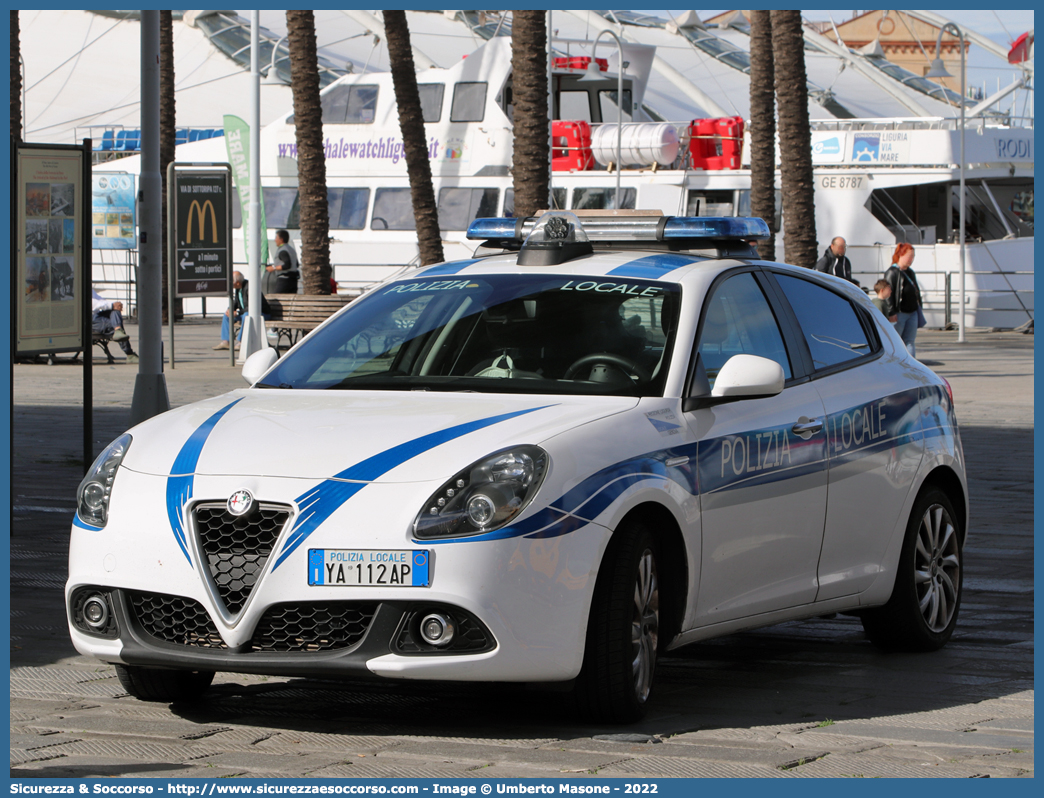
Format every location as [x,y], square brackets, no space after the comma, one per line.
[879,181]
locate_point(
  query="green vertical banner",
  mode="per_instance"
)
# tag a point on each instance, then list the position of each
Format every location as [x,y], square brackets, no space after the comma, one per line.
[237,140]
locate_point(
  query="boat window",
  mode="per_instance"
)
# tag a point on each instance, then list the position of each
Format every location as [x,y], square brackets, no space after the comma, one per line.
[353,105]
[558,201]
[743,203]
[431,100]
[347,207]
[711,203]
[1022,205]
[597,199]
[469,102]
[531,333]
[459,207]
[281,208]
[607,105]
[574,105]
[392,210]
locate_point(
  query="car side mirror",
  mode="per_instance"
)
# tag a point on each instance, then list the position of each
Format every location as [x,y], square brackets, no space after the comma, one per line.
[258,363]
[748,376]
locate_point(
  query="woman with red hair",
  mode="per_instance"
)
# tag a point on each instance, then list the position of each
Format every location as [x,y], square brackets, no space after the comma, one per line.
[905,304]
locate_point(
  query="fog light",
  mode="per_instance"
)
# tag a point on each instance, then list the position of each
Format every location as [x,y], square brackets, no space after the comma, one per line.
[437,629]
[96,612]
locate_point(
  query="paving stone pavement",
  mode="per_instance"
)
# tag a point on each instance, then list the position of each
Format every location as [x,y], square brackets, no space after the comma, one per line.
[802,699]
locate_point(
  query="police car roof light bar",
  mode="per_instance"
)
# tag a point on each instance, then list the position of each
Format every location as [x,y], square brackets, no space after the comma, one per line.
[635,228]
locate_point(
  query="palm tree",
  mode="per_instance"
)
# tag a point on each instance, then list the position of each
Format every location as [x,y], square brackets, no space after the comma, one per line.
[530,158]
[414,137]
[763,128]
[311,160]
[795,139]
[167,137]
[16,81]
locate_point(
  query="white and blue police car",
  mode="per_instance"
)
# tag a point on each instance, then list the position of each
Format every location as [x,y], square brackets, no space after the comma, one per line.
[602,438]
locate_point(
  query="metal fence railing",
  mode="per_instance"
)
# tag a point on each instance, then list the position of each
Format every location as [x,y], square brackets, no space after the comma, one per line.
[945,299]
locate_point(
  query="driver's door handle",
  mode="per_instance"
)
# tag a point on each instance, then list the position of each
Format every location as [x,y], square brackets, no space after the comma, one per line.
[807,427]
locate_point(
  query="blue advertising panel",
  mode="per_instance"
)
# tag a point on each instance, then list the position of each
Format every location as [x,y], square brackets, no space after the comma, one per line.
[113,211]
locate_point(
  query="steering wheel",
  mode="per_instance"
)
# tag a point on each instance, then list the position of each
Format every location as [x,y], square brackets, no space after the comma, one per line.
[625,364]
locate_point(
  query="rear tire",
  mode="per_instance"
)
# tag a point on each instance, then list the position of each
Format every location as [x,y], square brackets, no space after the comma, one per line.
[615,681]
[926,598]
[159,684]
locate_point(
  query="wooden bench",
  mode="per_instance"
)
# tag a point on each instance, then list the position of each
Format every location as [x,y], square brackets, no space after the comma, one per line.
[295,315]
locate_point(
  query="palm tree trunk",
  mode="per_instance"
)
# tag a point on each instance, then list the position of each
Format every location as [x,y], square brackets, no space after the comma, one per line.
[795,139]
[530,159]
[414,137]
[167,137]
[16,81]
[311,160]
[763,128]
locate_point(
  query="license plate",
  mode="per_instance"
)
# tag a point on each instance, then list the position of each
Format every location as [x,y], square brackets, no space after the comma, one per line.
[368,567]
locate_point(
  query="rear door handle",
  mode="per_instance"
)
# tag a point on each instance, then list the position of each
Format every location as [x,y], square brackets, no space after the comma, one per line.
[807,427]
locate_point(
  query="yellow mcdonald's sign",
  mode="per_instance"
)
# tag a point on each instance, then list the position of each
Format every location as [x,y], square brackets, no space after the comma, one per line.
[200,212]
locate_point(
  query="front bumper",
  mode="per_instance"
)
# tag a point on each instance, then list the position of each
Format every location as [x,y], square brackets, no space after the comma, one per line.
[531,596]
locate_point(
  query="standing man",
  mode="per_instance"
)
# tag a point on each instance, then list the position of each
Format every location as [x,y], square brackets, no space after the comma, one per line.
[834,261]
[283,275]
[107,319]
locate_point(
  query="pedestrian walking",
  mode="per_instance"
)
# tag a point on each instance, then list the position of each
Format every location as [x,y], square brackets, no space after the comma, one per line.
[905,302]
[883,299]
[835,262]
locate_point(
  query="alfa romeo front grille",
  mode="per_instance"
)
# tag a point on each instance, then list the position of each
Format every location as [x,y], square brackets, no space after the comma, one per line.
[174,619]
[318,626]
[238,547]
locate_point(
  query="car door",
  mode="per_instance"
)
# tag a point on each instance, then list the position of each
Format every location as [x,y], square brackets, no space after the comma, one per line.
[762,465]
[874,442]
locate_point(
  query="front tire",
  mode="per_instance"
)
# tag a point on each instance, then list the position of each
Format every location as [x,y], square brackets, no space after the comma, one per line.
[616,679]
[160,684]
[926,599]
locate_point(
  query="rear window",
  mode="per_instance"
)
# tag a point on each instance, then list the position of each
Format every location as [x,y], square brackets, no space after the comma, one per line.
[829,322]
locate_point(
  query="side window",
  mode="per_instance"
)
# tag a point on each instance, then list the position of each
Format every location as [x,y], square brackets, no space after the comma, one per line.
[347,207]
[739,321]
[459,207]
[431,100]
[607,106]
[828,321]
[469,102]
[574,105]
[596,199]
[281,208]
[355,105]
[392,210]
[558,200]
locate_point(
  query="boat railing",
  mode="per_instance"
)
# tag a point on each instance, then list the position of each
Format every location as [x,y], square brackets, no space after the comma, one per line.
[944,300]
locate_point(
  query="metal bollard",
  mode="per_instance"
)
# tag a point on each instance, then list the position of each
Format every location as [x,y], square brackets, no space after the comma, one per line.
[947,311]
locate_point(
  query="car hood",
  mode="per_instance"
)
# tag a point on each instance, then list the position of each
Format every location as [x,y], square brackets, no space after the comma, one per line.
[367,436]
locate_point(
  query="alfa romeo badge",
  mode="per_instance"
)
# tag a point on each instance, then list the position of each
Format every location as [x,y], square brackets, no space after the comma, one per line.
[241,502]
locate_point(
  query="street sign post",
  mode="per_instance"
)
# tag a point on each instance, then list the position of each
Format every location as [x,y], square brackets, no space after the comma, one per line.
[199,221]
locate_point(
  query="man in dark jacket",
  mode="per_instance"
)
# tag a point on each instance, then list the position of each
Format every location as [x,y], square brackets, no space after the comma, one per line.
[834,261]
[241,294]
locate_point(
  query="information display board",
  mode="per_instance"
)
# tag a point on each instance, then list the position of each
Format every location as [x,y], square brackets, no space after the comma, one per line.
[202,251]
[113,211]
[49,249]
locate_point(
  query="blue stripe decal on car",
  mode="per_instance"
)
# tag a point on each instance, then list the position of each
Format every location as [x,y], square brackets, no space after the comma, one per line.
[453,267]
[320,502]
[652,267]
[79,522]
[584,502]
[179,483]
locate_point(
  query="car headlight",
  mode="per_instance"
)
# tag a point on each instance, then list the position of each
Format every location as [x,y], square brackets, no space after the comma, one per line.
[485,496]
[92,497]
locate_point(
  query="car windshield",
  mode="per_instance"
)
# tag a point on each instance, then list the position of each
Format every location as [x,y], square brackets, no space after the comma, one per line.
[494,333]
